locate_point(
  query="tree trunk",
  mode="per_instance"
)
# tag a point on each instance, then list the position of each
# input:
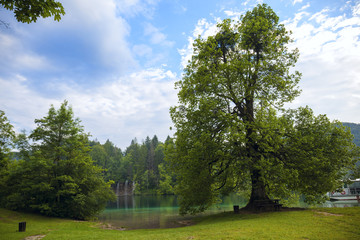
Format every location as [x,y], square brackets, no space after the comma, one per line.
[258,191]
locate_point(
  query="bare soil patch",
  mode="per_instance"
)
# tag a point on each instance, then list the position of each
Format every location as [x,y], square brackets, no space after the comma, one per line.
[328,214]
[35,237]
[283,209]
[184,223]
[109,227]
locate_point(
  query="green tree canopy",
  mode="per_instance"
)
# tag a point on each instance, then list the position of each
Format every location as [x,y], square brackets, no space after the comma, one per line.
[232,130]
[58,178]
[7,136]
[30,10]
[141,165]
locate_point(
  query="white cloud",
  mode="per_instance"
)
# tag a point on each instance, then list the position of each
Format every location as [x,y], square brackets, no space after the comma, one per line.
[230,13]
[101,27]
[321,16]
[142,50]
[356,9]
[329,59]
[89,24]
[297,1]
[135,105]
[156,36]
[20,103]
[14,55]
[203,28]
[304,7]
[245,3]
[132,8]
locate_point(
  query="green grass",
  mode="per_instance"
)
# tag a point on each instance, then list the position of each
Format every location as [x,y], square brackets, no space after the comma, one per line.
[321,223]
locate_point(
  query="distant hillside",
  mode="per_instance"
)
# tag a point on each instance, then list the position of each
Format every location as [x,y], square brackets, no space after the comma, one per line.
[355,130]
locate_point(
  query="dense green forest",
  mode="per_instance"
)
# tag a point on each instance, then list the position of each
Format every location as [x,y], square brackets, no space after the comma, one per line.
[142,164]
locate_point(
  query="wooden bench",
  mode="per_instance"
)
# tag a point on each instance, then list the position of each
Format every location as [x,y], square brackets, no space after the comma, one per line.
[267,204]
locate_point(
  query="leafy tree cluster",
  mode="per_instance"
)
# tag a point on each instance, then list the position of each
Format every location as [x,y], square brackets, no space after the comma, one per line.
[143,164]
[54,175]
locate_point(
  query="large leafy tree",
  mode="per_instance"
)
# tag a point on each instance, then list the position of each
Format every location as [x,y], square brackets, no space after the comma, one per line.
[30,10]
[58,177]
[232,130]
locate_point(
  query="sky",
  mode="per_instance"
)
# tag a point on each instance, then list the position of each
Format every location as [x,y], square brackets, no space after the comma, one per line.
[116,61]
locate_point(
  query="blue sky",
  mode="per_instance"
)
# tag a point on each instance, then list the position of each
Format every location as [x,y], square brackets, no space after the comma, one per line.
[116,61]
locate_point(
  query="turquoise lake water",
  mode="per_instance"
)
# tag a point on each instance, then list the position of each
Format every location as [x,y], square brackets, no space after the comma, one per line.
[139,212]
[145,212]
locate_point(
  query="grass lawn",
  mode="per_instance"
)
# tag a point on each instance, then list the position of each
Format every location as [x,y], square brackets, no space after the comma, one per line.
[320,223]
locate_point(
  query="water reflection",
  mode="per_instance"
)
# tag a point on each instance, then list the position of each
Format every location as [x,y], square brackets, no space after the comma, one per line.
[135,212]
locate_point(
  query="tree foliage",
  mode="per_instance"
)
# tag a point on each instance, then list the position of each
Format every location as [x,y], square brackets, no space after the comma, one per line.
[232,130]
[143,164]
[7,136]
[57,177]
[30,10]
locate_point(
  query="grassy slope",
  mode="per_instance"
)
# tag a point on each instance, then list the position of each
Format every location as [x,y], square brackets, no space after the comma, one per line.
[308,224]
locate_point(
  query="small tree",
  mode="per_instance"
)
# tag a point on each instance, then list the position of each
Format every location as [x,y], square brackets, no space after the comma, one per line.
[232,130]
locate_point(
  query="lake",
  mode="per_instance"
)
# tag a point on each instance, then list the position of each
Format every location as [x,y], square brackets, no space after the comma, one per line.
[159,211]
[145,212]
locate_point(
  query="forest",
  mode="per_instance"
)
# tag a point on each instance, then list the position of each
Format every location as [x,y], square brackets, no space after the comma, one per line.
[142,164]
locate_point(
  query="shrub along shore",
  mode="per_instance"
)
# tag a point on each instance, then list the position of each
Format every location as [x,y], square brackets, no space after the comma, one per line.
[314,223]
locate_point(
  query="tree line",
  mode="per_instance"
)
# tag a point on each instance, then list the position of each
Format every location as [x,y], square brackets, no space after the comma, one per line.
[142,164]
